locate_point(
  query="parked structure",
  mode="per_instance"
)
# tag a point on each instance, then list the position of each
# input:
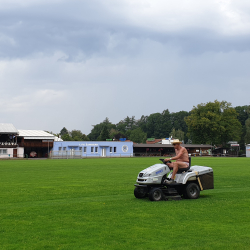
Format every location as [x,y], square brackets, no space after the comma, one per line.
[168,149]
[83,149]
[9,147]
[36,143]
[248,150]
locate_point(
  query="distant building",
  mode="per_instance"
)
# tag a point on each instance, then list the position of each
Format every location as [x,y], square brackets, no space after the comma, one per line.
[248,150]
[168,149]
[153,141]
[83,149]
[36,143]
[9,147]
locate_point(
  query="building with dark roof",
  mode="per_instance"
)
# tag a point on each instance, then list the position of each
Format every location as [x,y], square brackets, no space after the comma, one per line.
[168,149]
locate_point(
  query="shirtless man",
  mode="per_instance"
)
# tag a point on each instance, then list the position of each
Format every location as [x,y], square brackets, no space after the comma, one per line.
[182,160]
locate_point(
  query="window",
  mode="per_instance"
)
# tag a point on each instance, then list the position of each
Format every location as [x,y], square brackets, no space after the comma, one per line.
[4,151]
[85,150]
[60,148]
[92,149]
[64,148]
[114,149]
[80,148]
[0,151]
[96,149]
[110,149]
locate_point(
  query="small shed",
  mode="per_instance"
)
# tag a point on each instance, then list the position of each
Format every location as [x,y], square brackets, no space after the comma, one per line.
[248,150]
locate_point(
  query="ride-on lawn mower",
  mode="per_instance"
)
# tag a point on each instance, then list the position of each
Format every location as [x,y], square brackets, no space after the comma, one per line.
[188,182]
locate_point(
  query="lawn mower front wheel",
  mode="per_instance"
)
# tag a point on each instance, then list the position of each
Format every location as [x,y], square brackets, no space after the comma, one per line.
[140,192]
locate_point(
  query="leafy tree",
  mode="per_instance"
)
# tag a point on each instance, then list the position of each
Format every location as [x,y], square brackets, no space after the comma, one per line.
[154,126]
[66,137]
[77,135]
[97,129]
[247,126]
[104,134]
[138,136]
[127,124]
[85,137]
[177,134]
[178,122]
[142,123]
[64,131]
[214,122]
[243,116]
[247,135]
[115,134]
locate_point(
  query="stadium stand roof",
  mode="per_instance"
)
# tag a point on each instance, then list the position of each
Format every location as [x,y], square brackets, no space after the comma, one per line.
[35,134]
[7,128]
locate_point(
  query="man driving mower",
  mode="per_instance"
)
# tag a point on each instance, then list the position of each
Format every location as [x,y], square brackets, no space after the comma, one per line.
[182,160]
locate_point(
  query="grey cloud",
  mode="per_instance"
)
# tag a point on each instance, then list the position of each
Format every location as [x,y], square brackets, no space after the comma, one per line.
[90,28]
[75,63]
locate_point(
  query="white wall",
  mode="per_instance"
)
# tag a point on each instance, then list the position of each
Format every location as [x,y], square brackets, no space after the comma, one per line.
[9,154]
[248,150]
[20,152]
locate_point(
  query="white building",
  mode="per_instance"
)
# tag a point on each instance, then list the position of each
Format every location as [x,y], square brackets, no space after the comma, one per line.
[9,147]
[248,150]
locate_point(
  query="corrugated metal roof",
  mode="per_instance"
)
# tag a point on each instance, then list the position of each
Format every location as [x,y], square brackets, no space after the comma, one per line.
[7,128]
[35,134]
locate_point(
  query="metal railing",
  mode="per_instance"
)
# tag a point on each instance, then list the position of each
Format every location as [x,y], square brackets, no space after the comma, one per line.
[78,154]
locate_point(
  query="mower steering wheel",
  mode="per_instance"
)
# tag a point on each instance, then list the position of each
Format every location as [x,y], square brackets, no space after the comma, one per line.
[164,161]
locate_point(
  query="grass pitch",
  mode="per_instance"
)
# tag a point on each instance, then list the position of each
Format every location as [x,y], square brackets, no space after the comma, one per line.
[89,204]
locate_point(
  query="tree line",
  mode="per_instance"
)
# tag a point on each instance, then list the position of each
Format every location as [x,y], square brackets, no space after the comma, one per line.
[213,123]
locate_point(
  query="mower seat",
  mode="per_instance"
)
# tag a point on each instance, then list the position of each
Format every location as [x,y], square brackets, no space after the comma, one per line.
[181,170]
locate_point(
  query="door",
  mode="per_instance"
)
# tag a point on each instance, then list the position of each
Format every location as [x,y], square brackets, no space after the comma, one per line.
[103,152]
[14,152]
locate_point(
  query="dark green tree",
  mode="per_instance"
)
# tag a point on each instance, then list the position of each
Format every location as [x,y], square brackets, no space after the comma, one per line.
[77,135]
[66,137]
[138,136]
[178,122]
[247,135]
[247,127]
[85,137]
[243,115]
[166,126]
[126,124]
[177,134]
[97,129]
[154,126]
[142,123]
[64,131]
[214,122]
[104,134]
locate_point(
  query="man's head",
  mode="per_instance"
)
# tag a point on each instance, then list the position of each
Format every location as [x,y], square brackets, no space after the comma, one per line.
[176,143]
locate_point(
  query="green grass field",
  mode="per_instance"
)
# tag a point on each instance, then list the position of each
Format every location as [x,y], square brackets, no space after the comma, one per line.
[89,204]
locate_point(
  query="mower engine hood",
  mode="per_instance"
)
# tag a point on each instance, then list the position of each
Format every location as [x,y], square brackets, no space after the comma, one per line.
[153,174]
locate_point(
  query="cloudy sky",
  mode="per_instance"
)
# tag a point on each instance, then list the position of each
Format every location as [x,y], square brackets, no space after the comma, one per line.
[72,63]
